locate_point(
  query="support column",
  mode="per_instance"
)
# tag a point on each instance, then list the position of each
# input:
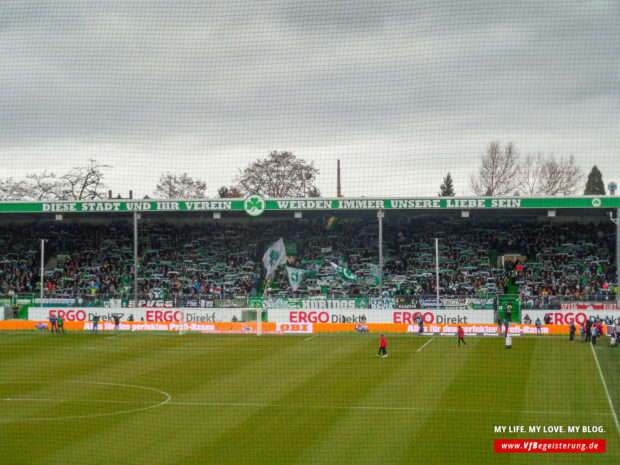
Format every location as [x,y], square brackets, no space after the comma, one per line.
[437,271]
[380,215]
[42,272]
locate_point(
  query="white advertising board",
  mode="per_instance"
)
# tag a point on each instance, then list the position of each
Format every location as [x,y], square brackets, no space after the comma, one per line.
[566,317]
[159,315]
[362,316]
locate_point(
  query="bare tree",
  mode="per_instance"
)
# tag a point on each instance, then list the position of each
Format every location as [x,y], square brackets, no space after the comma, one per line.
[83,182]
[171,186]
[559,177]
[11,189]
[80,183]
[43,186]
[281,174]
[529,174]
[314,192]
[231,192]
[498,170]
[544,175]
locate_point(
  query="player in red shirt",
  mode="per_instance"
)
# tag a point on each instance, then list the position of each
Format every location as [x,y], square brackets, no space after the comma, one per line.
[461,334]
[383,347]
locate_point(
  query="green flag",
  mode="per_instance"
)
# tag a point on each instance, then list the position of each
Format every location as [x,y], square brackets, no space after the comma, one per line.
[344,272]
[312,266]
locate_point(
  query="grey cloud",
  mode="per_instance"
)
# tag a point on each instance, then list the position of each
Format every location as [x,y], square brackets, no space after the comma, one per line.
[308,74]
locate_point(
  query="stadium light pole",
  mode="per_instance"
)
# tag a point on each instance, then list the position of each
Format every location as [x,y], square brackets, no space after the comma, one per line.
[380,215]
[437,270]
[135,259]
[42,271]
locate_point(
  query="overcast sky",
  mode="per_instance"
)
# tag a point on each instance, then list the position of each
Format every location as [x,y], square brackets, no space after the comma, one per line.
[400,91]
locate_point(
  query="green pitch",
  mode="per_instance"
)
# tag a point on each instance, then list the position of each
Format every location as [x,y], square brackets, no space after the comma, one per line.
[239,399]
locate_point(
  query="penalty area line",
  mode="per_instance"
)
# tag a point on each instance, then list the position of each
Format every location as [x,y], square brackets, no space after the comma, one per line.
[425,344]
[611,405]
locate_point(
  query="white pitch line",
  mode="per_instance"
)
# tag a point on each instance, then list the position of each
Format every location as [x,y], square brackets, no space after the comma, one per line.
[425,344]
[308,406]
[88,401]
[611,405]
[307,339]
[370,407]
[167,399]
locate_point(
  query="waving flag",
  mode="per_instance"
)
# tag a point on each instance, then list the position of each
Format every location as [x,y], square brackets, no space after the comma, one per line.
[312,266]
[274,257]
[376,274]
[344,272]
[295,276]
[215,290]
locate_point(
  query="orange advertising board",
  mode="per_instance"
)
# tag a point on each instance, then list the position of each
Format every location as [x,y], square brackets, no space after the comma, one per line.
[290,328]
[217,327]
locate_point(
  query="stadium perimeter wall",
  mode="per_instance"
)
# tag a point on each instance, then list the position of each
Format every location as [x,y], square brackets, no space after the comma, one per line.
[303,316]
[282,321]
[297,328]
[278,315]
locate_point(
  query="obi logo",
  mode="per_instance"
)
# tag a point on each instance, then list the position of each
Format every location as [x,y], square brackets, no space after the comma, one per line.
[294,327]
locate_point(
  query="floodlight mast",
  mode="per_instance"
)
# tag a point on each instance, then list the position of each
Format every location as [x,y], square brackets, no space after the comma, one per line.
[43,241]
[135,259]
[380,215]
[437,270]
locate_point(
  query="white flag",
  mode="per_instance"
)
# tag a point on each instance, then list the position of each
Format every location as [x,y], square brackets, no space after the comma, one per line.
[376,274]
[295,276]
[275,256]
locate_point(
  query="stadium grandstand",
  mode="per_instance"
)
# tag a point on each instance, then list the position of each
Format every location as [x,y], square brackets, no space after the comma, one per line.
[89,258]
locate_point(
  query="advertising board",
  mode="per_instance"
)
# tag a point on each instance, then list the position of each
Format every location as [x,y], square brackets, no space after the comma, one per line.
[567,317]
[362,316]
[161,315]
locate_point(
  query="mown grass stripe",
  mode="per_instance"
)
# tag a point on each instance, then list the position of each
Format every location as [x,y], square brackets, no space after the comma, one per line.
[611,404]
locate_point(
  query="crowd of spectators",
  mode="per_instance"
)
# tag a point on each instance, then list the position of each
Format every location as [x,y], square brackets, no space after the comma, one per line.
[541,261]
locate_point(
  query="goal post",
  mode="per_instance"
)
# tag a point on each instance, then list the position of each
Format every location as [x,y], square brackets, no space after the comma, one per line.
[259,320]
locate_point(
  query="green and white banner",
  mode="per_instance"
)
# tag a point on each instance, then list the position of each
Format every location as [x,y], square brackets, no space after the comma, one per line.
[376,274]
[255,205]
[274,256]
[309,303]
[295,276]
[345,273]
